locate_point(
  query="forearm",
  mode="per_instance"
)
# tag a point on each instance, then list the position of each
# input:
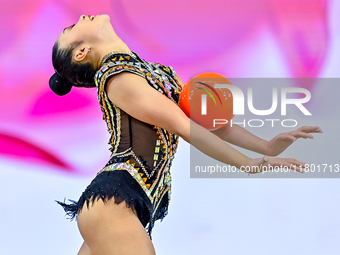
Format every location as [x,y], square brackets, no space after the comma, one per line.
[211,145]
[241,137]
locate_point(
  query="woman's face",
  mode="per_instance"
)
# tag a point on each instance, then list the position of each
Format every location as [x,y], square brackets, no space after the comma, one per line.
[88,29]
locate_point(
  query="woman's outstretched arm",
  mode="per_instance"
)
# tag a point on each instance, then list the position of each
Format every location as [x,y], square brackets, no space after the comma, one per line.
[241,137]
[135,96]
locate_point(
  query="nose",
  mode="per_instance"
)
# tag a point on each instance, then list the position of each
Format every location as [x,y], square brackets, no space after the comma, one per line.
[82,17]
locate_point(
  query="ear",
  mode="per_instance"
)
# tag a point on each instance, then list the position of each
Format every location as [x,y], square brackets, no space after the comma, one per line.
[81,53]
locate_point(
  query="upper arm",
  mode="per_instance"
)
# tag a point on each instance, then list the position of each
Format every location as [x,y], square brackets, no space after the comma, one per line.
[135,96]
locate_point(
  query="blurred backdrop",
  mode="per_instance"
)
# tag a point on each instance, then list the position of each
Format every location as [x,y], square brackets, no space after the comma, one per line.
[51,147]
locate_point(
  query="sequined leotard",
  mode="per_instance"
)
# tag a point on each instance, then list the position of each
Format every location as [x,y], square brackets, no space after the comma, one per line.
[138,171]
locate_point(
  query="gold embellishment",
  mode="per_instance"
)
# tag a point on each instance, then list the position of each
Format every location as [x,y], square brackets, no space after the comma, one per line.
[115,52]
[132,171]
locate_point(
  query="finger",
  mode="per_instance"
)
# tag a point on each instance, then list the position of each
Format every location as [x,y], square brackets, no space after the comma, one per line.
[290,163]
[310,129]
[296,162]
[293,164]
[299,134]
[318,130]
[290,138]
[299,165]
[297,168]
[286,137]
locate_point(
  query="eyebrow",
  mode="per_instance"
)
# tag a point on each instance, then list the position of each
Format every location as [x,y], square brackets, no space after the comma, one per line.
[68,27]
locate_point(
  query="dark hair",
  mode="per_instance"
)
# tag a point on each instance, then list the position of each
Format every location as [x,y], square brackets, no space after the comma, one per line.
[69,73]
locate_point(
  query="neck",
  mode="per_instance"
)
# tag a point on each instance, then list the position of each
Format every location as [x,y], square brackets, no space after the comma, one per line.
[119,46]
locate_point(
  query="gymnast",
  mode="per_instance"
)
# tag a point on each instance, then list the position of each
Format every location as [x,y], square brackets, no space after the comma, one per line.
[140,105]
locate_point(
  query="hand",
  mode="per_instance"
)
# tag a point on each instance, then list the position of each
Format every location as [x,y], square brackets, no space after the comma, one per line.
[259,165]
[280,142]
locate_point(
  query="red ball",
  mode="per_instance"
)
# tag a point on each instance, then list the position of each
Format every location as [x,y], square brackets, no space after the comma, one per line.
[218,109]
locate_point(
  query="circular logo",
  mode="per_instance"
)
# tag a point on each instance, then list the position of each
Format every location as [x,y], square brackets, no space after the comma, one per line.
[206,101]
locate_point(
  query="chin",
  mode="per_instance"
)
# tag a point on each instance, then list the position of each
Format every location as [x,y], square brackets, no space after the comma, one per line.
[105,16]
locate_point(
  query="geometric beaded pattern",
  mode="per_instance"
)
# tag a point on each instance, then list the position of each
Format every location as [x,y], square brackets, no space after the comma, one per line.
[156,183]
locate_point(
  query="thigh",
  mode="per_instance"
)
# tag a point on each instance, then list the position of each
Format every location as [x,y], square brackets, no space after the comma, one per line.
[114,229]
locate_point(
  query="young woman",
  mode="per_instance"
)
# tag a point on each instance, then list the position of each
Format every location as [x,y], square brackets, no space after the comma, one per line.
[139,101]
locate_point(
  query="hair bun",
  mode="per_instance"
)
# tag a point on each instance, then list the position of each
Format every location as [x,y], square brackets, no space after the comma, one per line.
[58,85]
